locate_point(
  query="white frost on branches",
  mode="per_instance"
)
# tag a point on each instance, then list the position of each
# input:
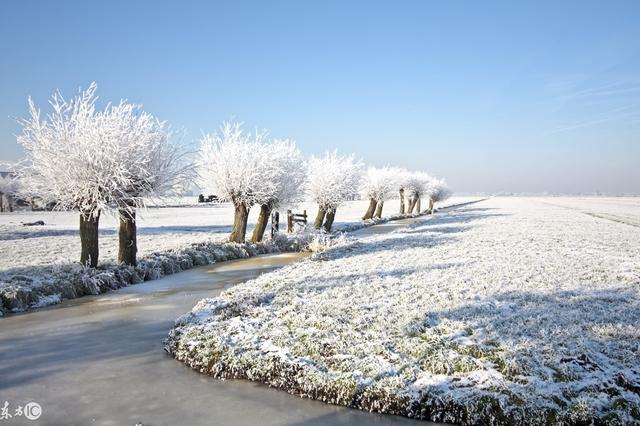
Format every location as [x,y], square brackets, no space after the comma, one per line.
[245,169]
[402,177]
[439,190]
[91,160]
[333,179]
[380,183]
[417,184]
[152,166]
[283,174]
[230,165]
[66,159]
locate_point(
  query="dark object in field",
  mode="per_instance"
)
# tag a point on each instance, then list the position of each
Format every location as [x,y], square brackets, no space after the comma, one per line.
[209,199]
[36,223]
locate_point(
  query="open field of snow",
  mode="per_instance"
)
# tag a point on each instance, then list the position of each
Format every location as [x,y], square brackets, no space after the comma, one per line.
[619,209]
[507,311]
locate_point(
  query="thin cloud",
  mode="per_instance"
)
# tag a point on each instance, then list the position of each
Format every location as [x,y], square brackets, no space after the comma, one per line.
[607,116]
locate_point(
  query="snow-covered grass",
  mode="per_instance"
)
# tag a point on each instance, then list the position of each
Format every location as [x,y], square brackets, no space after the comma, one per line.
[508,311]
[620,209]
[38,264]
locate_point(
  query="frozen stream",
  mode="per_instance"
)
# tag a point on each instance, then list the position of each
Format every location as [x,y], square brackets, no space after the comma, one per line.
[100,360]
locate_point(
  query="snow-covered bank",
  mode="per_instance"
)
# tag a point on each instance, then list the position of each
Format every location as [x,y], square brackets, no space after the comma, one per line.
[37,266]
[509,311]
[38,286]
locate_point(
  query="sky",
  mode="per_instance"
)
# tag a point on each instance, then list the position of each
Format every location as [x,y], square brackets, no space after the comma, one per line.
[539,96]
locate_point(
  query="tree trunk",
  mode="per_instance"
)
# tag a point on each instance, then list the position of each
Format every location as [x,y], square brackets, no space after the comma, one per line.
[261,226]
[1,202]
[89,239]
[418,205]
[320,217]
[128,242]
[402,201]
[370,210]
[430,206]
[412,203]
[328,222]
[239,224]
[378,213]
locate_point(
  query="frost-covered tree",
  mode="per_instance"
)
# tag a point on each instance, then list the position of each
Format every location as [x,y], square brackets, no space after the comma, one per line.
[151,167]
[438,191]
[396,177]
[95,161]
[230,166]
[282,179]
[68,163]
[377,185]
[415,187]
[332,179]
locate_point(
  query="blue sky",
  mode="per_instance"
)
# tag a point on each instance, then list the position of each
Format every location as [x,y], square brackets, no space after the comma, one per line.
[494,96]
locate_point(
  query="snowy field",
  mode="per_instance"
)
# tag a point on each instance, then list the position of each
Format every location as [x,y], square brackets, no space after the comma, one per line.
[507,311]
[623,209]
[159,230]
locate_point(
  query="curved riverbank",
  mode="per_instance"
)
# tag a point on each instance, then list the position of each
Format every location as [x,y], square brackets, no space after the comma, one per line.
[507,312]
[100,360]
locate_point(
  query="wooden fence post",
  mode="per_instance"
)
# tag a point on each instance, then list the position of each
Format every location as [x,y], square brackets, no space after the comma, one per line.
[275,224]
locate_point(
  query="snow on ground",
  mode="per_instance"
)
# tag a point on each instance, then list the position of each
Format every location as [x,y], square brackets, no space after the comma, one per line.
[508,311]
[38,264]
[619,209]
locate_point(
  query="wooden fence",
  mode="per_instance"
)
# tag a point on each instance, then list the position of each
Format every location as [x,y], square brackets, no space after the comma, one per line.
[293,218]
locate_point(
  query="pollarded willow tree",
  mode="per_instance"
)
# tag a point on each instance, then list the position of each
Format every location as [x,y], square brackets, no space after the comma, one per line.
[282,179]
[438,191]
[416,186]
[68,163]
[378,184]
[332,179]
[151,167]
[230,165]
